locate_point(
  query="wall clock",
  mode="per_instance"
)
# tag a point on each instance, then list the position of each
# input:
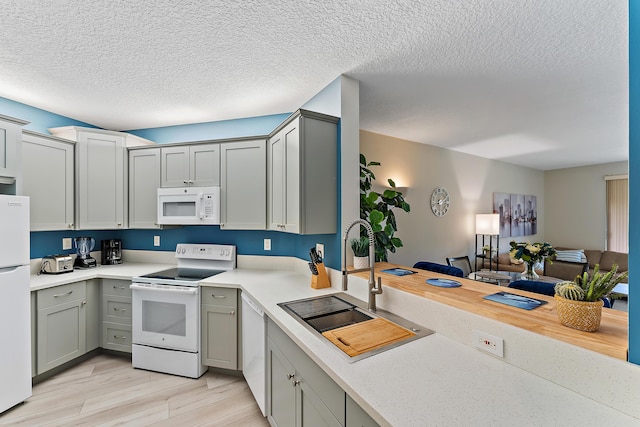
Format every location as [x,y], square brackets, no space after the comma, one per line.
[440,201]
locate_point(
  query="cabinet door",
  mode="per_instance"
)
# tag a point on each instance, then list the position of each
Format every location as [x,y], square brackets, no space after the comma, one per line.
[61,334]
[175,166]
[275,182]
[357,417]
[144,181]
[291,136]
[47,178]
[9,146]
[243,193]
[101,189]
[219,336]
[204,165]
[281,388]
[311,410]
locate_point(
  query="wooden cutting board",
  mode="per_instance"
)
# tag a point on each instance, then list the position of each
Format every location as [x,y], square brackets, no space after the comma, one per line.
[366,336]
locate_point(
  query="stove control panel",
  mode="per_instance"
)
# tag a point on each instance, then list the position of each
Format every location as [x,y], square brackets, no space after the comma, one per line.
[205,251]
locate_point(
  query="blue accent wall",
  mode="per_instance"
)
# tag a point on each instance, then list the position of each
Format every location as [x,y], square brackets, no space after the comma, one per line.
[40,120]
[237,128]
[634,182]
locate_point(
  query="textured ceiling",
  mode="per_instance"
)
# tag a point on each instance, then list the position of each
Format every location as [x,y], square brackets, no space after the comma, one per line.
[539,83]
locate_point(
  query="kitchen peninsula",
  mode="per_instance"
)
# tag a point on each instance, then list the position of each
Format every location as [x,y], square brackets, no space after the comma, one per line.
[429,380]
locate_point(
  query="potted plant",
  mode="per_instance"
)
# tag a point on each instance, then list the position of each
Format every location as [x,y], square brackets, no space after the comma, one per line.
[377,209]
[579,303]
[360,249]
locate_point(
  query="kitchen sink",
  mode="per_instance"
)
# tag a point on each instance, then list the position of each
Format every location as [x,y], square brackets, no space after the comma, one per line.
[346,325]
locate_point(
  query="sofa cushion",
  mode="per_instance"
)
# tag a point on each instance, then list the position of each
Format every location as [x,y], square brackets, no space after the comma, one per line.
[504,258]
[593,256]
[564,270]
[609,258]
[571,256]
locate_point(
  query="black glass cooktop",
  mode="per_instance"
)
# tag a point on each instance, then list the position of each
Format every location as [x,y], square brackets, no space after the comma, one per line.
[184,274]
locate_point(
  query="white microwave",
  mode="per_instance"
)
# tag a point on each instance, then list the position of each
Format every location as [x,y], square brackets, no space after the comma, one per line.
[189,205]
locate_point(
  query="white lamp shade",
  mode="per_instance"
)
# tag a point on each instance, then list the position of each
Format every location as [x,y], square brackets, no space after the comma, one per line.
[488,224]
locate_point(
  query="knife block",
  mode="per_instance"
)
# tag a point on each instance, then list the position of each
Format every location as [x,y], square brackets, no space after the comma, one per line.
[322,279]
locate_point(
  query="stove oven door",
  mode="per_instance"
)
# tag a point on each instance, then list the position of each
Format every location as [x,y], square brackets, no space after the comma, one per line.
[166,316]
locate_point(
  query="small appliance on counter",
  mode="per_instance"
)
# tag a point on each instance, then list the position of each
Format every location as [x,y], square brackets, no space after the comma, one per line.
[111,252]
[56,264]
[84,246]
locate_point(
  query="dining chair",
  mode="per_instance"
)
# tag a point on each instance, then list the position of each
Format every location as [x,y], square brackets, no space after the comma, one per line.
[439,268]
[461,262]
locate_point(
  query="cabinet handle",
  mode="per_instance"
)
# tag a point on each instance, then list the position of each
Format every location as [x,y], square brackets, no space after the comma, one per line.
[122,310]
[119,224]
[218,296]
[232,312]
[290,376]
[185,181]
[70,225]
[62,295]
[295,383]
[84,303]
[118,287]
[120,337]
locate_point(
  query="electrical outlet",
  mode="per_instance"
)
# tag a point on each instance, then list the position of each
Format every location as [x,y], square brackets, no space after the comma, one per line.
[489,343]
[267,244]
[320,249]
[156,240]
[66,243]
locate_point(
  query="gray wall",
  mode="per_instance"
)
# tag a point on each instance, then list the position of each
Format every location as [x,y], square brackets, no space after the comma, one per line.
[575,212]
[470,181]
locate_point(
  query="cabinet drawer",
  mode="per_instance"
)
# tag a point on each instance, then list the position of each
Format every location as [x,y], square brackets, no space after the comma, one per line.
[116,287]
[60,294]
[219,296]
[116,337]
[116,309]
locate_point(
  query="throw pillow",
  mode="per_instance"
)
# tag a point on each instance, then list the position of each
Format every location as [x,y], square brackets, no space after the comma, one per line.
[571,256]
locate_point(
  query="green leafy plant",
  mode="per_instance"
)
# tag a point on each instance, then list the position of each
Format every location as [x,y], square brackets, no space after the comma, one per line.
[360,246]
[377,209]
[591,288]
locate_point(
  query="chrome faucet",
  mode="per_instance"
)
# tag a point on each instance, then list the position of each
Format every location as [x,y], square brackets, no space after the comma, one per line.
[373,289]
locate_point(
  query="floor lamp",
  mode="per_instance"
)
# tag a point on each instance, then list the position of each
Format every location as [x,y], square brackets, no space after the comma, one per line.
[487,225]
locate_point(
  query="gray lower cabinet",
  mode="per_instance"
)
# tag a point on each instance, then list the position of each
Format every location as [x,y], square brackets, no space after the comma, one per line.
[61,330]
[243,193]
[116,315]
[299,392]
[357,417]
[144,181]
[219,327]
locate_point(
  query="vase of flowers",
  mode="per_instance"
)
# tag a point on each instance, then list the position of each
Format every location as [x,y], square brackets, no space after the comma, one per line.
[531,254]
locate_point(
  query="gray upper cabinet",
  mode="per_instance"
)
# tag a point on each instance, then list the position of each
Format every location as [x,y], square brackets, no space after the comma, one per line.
[243,191]
[47,178]
[101,190]
[144,181]
[197,165]
[302,175]
[10,130]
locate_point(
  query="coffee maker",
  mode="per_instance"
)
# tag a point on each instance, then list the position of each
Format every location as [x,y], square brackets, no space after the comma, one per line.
[84,246]
[111,252]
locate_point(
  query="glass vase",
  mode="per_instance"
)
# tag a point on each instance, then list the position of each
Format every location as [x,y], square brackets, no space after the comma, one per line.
[529,273]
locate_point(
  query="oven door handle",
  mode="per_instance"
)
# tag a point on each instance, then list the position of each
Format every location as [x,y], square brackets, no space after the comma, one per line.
[175,289]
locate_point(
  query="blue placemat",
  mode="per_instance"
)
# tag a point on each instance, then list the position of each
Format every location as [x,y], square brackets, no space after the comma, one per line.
[516,300]
[398,271]
[444,283]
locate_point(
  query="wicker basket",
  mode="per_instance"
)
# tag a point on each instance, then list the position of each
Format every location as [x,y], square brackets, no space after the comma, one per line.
[581,315]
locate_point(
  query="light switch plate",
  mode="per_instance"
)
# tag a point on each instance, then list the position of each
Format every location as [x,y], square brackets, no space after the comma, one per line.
[66,243]
[489,343]
[267,244]
[156,240]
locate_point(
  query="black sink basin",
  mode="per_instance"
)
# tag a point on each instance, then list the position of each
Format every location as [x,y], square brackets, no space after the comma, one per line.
[337,320]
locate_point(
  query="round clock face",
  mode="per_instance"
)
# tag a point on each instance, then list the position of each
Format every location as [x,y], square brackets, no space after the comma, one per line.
[440,201]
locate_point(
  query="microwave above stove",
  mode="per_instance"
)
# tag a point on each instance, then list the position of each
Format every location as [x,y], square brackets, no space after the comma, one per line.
[189,206]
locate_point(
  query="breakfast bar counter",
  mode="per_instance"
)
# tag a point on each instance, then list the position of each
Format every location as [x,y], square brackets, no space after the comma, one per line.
[611,338]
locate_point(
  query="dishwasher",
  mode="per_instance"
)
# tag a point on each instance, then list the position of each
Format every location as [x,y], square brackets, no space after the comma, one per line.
[254,331]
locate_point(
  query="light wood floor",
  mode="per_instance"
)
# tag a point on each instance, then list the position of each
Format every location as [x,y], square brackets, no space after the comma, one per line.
[105,391]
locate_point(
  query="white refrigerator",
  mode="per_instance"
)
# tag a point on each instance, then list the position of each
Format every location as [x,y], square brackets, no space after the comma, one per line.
[15,318]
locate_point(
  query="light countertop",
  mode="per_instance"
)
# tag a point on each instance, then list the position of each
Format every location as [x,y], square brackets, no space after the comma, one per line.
[434,380]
